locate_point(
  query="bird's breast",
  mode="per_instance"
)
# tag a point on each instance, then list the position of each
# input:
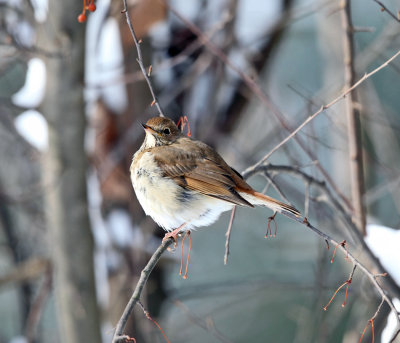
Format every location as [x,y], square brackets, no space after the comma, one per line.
[151,187]
[160,197]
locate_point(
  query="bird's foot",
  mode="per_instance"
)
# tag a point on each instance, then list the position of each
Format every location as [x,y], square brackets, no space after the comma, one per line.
[174,235]
[269,231]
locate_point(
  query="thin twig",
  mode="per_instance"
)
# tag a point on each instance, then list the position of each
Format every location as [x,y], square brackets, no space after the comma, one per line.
[353,122]
[306,199]
[144,275]
[149,317]
[385,9]
[140,60]
[205,324]
[371,322]
[228,235]
[347,284]
[38,306]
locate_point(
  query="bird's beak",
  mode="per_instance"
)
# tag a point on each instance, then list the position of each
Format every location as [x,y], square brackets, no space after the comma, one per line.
[148,129]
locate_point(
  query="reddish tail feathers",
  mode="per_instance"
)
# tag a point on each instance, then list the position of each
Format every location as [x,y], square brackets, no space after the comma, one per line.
[275,205]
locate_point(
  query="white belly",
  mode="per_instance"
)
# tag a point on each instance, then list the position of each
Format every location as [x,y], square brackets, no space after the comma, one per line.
[169,204]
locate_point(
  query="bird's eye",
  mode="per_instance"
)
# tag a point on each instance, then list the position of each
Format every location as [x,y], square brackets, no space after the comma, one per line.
[166,131]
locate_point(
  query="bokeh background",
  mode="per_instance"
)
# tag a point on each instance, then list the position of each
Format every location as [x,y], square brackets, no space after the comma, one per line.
[73,238]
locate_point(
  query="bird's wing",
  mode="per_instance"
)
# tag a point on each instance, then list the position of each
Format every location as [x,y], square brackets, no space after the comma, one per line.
[201,169]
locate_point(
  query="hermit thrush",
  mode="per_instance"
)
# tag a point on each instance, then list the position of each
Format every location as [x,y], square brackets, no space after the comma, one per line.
[183,183]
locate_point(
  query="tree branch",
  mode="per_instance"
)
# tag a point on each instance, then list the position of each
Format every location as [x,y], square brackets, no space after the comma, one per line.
[228,235]
[385,9]
[140,60]
[353,122]
[144,275]
[206,324]
[37,307]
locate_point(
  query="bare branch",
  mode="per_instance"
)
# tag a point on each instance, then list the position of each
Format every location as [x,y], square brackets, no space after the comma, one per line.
[38,306]
[228,235]
[353,122]
[149,317]
[371,322]
[144,275]
[140,60]
[206,324]
[385,9]
[347,284]
[26,271]
[306,199]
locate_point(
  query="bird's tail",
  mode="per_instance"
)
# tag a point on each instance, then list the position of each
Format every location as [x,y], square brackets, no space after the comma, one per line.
[257,198]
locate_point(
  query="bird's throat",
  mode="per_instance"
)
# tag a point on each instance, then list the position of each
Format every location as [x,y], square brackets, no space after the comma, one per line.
[150,141]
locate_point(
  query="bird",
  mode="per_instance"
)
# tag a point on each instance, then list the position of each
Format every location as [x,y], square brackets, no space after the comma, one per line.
[183,183]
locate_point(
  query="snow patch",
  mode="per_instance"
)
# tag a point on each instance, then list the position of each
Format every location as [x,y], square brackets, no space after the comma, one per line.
[255,17]
[104,66]
[101,238]
[40,8]
[32,126]
[121,230]
[18,339]
[188,9]
[391,325]
[384,243]
[32,93]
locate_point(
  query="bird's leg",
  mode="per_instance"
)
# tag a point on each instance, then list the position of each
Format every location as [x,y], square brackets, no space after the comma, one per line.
[173,234]
[187,233]
[269,231]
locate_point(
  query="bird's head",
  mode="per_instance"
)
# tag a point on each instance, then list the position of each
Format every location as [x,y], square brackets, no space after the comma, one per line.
[160,131]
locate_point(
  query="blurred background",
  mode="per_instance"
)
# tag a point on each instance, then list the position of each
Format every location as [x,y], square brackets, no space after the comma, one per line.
[246,73]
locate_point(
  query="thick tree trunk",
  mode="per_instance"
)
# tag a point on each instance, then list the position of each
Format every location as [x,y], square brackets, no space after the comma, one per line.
[65,178]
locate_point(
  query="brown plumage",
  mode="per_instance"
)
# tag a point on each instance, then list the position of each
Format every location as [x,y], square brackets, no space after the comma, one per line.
[191,177]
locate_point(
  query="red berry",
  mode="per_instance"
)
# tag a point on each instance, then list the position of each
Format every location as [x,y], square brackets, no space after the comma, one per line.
[92,7]
[82,18]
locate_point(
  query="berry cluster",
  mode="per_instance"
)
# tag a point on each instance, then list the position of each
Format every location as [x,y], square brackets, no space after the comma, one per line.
[88,5]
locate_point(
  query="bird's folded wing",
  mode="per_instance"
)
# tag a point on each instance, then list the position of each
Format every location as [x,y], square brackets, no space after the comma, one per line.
[194,172]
